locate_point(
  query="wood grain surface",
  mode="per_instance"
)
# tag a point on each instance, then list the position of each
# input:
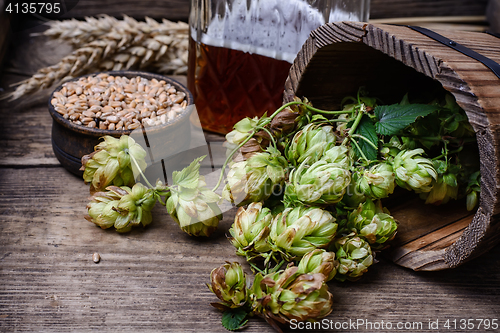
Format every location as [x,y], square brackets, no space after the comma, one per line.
[415,8]
[153,279]
[5,28]
[179,9]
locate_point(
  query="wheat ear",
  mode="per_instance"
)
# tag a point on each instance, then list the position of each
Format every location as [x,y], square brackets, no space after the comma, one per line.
[70,66]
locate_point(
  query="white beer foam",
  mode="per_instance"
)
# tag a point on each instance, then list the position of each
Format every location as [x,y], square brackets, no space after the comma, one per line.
[272,28]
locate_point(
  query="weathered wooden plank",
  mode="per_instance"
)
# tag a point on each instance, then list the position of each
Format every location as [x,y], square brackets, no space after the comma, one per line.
[30,53]
[179,9]
[409,8]
[171,10]
[153,279]
[418,220]
[453,23]
[492,13]
[25,137]
[5,28]
[430,240]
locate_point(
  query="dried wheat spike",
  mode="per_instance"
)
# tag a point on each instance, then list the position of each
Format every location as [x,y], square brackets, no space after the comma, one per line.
[80,32]
[165,54]
[164,49]
[75,64]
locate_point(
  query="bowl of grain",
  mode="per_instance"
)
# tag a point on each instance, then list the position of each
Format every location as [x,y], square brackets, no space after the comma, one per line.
[116,103]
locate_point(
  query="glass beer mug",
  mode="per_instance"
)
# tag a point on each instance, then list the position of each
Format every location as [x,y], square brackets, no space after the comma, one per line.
[240,52]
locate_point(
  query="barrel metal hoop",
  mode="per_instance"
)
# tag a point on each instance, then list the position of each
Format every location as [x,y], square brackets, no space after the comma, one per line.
[495,34]
[494,66]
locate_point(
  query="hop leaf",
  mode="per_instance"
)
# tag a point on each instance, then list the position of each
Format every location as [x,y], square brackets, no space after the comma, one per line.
[188,177]
[234,319]
[393,118]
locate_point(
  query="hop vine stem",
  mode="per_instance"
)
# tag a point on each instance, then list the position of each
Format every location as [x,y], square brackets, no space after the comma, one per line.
[365,139]
[270,135]
[354,126]
[360,151]
[140,171]
[447,153]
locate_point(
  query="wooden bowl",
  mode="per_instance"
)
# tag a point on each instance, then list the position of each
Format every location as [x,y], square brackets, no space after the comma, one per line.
[71,141]
[389,61]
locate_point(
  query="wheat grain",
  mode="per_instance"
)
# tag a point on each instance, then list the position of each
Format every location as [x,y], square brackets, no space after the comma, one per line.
[119,102]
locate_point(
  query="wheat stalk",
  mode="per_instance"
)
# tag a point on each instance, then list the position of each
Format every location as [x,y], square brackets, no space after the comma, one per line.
[164,54]
[166,47]
[78,32]
[72,65]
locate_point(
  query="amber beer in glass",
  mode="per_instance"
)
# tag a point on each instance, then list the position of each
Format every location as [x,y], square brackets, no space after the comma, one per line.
[231,84]
[240,52]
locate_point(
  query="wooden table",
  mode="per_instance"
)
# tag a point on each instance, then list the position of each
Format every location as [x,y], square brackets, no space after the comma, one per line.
[153,279]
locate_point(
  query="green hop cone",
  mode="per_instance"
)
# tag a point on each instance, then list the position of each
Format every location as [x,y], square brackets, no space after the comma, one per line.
[443,189]
[354,196]
[377,182]
[250,230]
[255,179]
[319,261]
[373,223]
[289,295]
[310,143]
[322,183]
[307,297]
[191,204]
[392,148]
[414,172]
[101,208]
[297,231]
[111,163]
[122,207]
[242,131]
[229,284]
[339,156]
[354,255]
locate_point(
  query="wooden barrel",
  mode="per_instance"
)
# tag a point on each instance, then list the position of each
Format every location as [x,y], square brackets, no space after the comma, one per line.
[389,60]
